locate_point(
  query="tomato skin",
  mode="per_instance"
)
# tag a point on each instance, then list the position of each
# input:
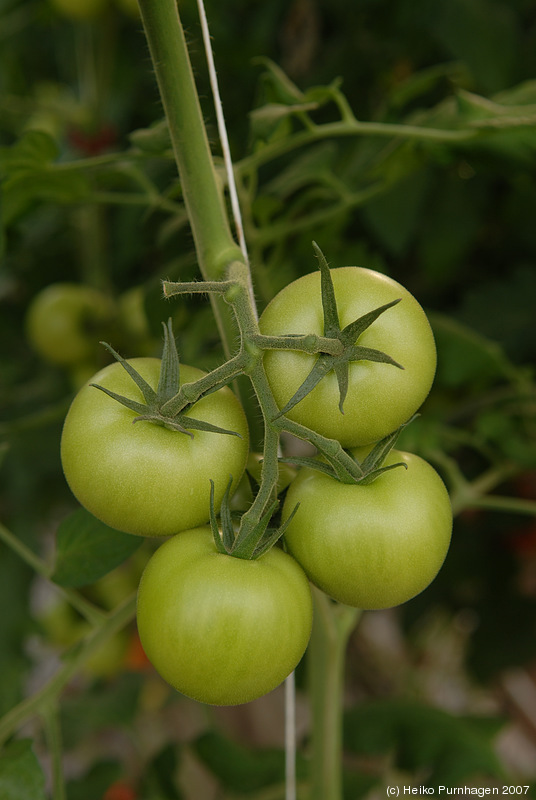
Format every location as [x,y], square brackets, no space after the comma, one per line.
[143,478]
[66,321]
[373,546]
[219,629]
[380,396]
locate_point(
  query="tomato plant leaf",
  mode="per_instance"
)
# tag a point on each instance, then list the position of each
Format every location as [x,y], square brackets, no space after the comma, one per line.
[21,777]
[448,748]
[87,549]
[241,769]
[96,781]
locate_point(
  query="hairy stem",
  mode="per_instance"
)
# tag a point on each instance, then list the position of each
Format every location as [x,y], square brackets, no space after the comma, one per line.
[202,192]
[333,623]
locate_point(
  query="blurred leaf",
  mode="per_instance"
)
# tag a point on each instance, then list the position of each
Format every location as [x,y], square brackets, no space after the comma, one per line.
[277,85]
[21,776]
[241,769]
[450,749]
[87,549]
[154,139]
[111,704]
[449,225]
[94,783]
[310,168]
[503,309]
[29,176]
[396,215]
[160,776]
[26,187]
[15,581]
[34,149]
[465,357]
[483,35]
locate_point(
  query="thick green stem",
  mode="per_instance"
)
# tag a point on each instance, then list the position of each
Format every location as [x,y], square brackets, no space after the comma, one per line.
[202,192]
[332,626]
[54,737]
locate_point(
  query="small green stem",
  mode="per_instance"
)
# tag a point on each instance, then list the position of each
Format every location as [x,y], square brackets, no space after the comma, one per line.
[332,625]
[53,733]
[90,612]
[48,694]
[309,343]
[349,128]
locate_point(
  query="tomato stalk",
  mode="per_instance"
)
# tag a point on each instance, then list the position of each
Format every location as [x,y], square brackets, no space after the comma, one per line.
[332,625]
[203,196]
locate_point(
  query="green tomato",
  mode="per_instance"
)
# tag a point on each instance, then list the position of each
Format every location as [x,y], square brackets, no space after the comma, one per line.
[380,396]
[66,321]
[219,629]
[144,478]
[371,546]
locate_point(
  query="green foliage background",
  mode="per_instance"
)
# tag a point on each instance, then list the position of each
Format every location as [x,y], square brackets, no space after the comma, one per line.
[89,194]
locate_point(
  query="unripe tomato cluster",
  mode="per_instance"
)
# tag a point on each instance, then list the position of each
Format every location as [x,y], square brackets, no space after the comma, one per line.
[377,545]
[225,630]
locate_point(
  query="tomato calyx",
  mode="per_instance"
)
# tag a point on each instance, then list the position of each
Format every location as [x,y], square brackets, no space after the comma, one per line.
[348,336]
[249,543]
[367,469]
[156,407]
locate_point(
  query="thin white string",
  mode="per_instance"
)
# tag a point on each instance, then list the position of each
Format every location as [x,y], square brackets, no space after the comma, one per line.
[290,737]
[224,140]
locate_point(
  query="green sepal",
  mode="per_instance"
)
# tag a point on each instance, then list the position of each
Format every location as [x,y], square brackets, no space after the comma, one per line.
[358,353]
[201,425]
[224,542]
[341,373]
[375,473]
[348,337]
[381,449]
[351,333]
[329,302]
[226,519]
[369,469]
[218,541]
[169,380]
[322,366]
[274,535]
[138,408]
[147,391]
[311,463]
[159,406]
